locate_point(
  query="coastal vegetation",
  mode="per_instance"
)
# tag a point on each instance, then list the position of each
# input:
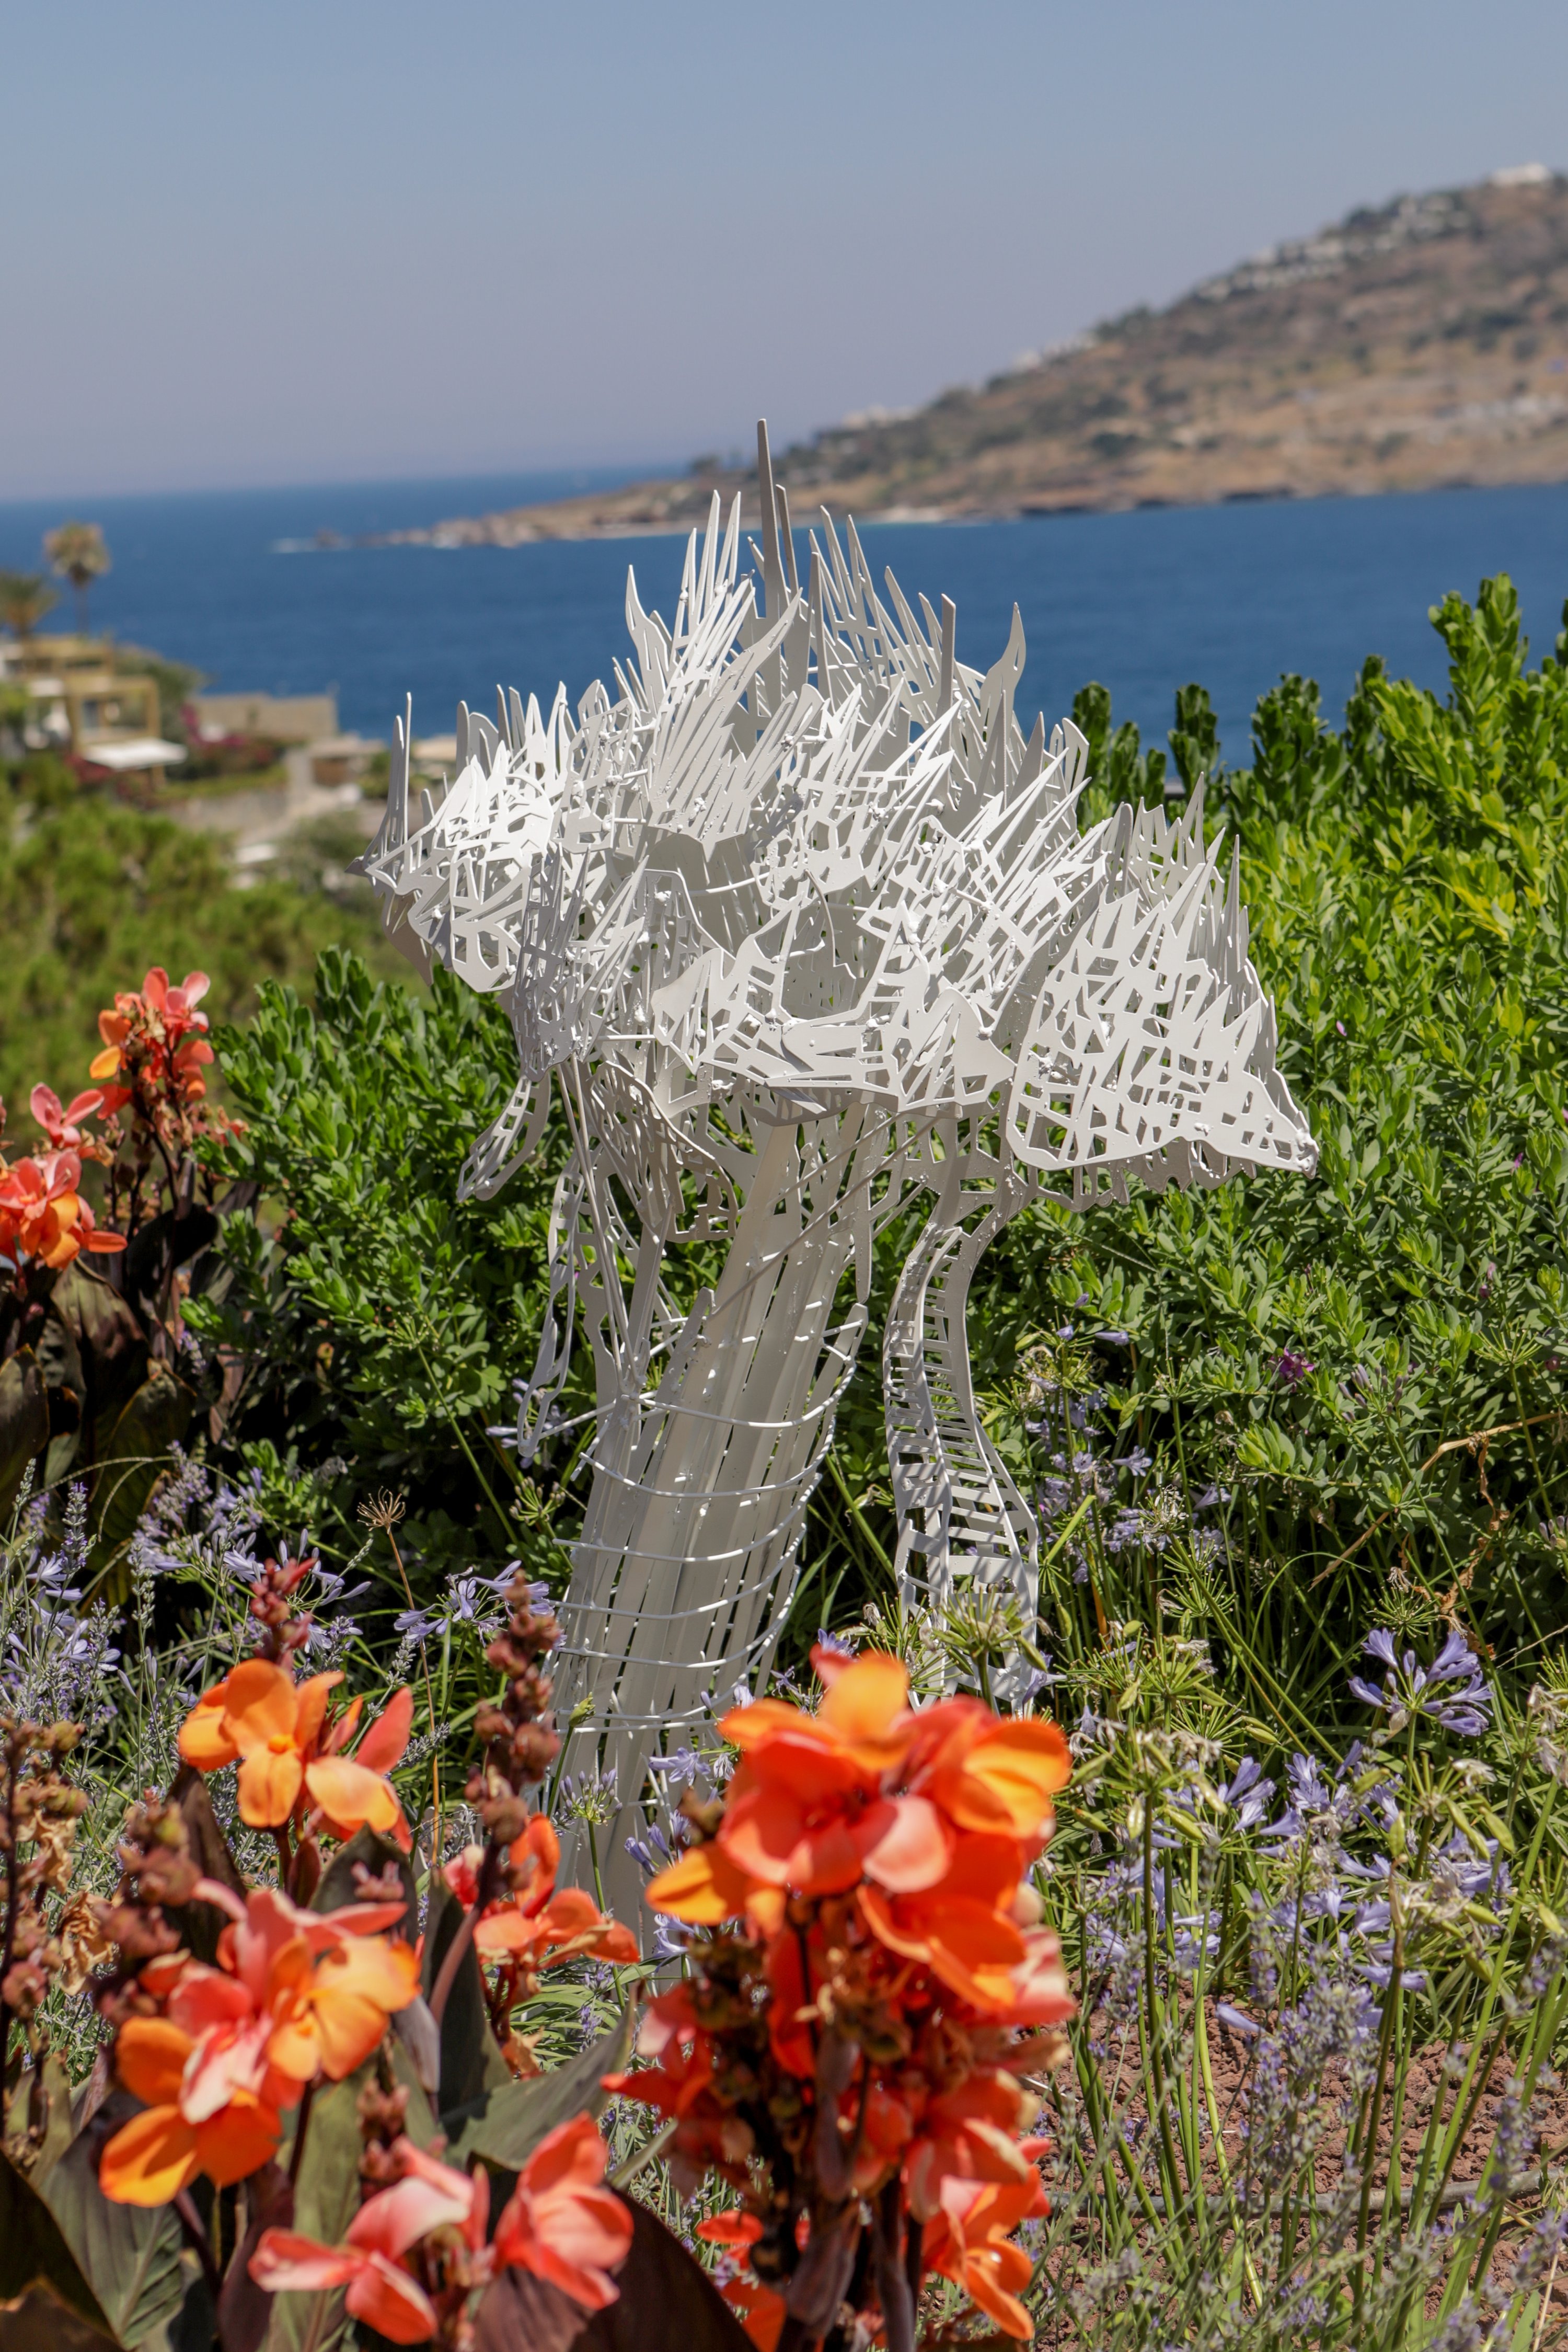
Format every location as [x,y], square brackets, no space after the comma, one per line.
[1267,1940]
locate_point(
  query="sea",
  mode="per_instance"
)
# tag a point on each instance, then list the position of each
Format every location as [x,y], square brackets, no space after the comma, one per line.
[276,590]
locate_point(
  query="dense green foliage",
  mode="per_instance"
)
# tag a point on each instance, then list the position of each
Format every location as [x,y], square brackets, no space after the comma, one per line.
[383,1324]
[1308,1347]
[92,892]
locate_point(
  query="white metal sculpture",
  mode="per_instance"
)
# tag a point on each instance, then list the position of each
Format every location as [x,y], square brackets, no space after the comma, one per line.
[799,927]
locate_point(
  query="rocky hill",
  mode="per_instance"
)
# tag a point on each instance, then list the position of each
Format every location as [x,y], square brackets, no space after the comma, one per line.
[1416,346]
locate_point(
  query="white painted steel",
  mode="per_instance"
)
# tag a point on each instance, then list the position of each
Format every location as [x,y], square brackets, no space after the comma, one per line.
[798,928]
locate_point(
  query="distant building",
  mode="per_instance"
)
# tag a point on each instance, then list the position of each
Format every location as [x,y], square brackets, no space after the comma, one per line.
[83,702]
[282,718]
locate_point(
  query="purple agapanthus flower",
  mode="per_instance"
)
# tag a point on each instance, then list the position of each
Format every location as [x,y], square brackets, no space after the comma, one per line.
[1452,1691]
[1248,1794]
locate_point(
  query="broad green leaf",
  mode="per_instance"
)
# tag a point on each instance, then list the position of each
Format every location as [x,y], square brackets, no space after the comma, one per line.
[130,2255]
[136,1449]
[24,1419]
[506,2123]
[375,1854]
[33,2245]
[201,1923]
[471,2061]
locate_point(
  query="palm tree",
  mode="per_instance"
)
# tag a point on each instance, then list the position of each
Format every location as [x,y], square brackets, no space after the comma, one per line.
[78,554]
[25,598]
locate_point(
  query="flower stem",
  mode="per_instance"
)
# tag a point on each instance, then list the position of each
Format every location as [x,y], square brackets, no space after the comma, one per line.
[300,2129]
[199,2242]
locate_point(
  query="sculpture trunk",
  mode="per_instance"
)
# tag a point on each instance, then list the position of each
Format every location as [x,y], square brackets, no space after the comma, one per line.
[686,1560]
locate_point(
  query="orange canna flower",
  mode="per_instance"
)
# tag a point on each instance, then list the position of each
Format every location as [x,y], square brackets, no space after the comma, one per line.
[570,1927]
[992,1773]
[892,1960]
[538,1926]
[383,2292]
[43,1216]
[296,1994]
[277,1729]
[810,1809]
[561,2223]
[61,1123]
[532,1859]
[158,1026]
[187,2127]
[971,2133]
[382,2289]
[703,1887]
[966,2241]
[325,1982]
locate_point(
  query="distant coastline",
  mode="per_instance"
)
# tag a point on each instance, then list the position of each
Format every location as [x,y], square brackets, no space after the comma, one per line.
[1420,346]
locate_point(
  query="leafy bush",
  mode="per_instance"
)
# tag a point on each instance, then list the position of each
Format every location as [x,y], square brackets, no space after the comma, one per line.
[91,893]
[381,1323]
[1364,1373]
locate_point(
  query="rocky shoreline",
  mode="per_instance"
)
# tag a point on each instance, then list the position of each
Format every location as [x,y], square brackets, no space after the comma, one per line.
[1420,346]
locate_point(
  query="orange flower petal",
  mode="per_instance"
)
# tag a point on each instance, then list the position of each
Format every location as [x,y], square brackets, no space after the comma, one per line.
[149,2059]
[205,1738]
[348,2029]
[866,1700]
[239,2141]
[703,1887]
[269,1782]
[388,2299]
[310,1707]
[285,2263]
[262,1704]
[355,1989]
[385,1742]
[799,1757]
[765,1908]
[912,1850]
[295,2049]
[150,2159]
[761,1831]
[348,1794]
[955,1935]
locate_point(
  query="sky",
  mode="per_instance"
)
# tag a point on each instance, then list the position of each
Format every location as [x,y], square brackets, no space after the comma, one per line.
[322,240]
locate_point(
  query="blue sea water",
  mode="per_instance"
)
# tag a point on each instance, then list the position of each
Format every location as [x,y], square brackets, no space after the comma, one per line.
[1229,596]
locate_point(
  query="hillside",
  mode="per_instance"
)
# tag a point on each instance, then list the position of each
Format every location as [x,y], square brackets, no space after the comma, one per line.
[1412,347]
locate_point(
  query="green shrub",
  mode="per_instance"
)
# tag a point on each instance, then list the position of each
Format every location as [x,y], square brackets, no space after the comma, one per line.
[1370,1364]
[381,1322]
[91,893]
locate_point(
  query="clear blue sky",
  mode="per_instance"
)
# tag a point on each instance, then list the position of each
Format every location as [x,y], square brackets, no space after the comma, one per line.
[309,240]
